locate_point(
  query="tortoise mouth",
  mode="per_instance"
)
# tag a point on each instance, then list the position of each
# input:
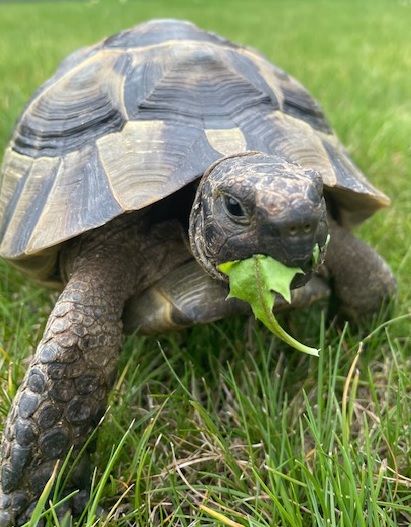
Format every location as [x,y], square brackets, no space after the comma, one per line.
[311,262]
[307,258]
[300,279]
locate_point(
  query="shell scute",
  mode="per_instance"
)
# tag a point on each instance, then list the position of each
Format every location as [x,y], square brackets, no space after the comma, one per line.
[80,199]
[141,169]
[300,104]
[28,208]
[192,83]
[77,107]
[15,171]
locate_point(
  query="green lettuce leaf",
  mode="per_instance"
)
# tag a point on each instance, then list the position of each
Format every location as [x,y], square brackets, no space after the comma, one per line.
[256,280]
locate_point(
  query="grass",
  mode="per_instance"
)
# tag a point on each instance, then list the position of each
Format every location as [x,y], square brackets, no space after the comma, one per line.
[222,424]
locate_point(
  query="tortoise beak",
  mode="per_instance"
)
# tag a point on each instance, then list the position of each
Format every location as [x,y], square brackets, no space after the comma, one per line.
[298,243]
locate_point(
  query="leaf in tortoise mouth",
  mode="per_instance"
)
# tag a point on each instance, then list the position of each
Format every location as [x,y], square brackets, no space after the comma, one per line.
[256,280]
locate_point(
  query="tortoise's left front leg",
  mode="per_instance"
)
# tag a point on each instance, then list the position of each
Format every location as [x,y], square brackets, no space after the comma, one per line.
[64,392]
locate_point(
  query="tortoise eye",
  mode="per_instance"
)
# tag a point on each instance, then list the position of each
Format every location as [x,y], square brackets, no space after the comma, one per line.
[234,208]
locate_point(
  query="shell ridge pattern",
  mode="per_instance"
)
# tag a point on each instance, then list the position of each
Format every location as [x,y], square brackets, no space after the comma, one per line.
[36,190]
[79,200]
[244,67]
[296,101]
[45,87]
[211,88]
[9,200]
[142,68]
[143,162]
[347,171]
[72,108]
[267,71]
[257,129]
[299,143]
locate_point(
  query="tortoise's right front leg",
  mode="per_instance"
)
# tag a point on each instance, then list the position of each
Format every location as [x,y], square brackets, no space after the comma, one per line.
[188,296]
[64,392]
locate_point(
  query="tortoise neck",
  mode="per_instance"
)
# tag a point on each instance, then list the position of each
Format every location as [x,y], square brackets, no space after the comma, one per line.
[130,252]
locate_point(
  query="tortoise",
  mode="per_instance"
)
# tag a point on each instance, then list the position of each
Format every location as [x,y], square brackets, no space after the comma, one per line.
[144,162]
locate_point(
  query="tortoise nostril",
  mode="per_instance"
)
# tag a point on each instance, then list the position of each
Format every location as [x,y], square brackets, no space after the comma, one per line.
[298,230]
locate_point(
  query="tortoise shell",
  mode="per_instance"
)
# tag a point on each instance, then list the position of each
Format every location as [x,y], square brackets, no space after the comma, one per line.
[134,118]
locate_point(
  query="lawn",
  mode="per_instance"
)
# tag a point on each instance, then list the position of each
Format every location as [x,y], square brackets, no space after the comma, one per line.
[223,424]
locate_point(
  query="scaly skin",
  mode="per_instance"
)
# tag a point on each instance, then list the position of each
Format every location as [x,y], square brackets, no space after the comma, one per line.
[361,279]
[64,392]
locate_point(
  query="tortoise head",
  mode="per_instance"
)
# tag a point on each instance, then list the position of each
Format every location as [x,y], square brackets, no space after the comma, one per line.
[255,203]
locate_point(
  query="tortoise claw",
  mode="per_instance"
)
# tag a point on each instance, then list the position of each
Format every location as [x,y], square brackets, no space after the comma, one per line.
[5,519]
[12,506]
[15,509]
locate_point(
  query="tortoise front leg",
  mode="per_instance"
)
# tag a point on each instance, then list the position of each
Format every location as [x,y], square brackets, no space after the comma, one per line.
[64,392]
[361,279]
